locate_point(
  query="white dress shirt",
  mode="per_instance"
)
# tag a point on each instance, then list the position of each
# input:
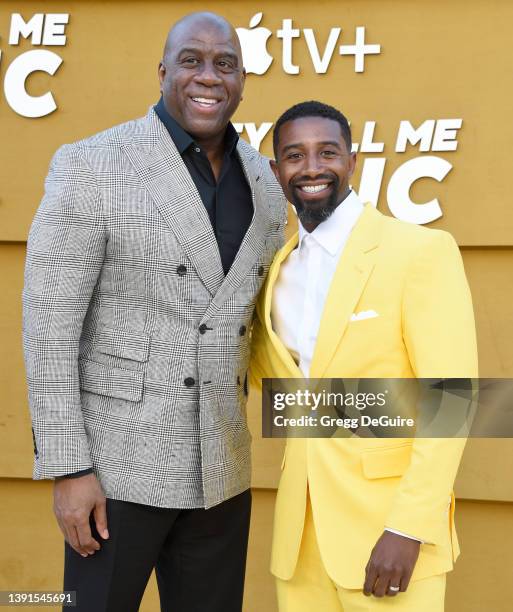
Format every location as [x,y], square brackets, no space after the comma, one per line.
[304,281]
[305,278]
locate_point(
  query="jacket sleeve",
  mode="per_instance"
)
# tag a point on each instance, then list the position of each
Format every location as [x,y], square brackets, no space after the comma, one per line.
[65,252]
[439,334]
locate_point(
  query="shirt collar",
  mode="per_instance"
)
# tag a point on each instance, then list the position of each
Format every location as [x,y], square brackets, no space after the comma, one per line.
[333,232]
[182,139]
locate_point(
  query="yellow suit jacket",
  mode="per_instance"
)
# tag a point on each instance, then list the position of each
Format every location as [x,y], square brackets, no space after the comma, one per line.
[414,278]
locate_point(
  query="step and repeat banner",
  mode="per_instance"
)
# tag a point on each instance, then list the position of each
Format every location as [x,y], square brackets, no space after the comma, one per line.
[425,85]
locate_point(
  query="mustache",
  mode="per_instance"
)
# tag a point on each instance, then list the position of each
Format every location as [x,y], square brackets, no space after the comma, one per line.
[305,178]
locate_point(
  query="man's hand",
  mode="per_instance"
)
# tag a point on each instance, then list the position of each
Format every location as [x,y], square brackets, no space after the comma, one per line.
[73,501]
[391,564]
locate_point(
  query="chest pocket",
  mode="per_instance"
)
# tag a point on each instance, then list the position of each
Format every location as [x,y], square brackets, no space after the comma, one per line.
[124,343]
[386,462]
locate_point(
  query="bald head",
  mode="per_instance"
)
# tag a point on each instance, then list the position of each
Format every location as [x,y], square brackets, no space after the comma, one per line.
[191,23]
[202,76]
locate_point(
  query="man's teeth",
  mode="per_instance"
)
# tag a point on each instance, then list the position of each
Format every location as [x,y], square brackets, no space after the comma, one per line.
[313,188]
[208,101]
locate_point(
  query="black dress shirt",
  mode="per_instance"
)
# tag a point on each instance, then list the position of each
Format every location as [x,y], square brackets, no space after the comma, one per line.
[228,200]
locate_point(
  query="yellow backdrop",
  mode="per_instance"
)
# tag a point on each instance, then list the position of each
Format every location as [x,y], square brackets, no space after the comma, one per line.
[438,60]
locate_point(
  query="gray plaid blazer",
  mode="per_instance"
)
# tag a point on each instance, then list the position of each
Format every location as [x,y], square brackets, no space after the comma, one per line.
[136,344]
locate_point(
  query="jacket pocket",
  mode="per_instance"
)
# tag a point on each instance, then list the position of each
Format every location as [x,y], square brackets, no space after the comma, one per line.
[123,343]
[113,382]
[245,386]
[386,462]
[36,453]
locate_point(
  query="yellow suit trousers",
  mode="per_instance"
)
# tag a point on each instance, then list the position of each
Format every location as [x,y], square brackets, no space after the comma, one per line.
[312,590]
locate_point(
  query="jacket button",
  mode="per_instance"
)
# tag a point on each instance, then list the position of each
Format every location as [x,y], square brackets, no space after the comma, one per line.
[202,328]
[242,330]
[189,382]
[260,270]
[181,270]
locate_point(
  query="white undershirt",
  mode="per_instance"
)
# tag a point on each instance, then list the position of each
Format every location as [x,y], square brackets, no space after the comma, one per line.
[304,280]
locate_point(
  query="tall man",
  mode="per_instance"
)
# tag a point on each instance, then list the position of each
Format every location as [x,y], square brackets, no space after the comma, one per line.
[144,262]
[356,294]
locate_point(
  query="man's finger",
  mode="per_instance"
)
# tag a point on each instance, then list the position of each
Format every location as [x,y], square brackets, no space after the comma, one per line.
[405,581]
[71,537]
[381,585]
[394,585]
[100,518]
[370,579]
[87,543]
[70,533]
[74,542]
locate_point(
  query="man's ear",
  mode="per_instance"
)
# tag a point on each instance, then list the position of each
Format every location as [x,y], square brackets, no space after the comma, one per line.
[243,82]
[274,168]
[161,73]
[352,164]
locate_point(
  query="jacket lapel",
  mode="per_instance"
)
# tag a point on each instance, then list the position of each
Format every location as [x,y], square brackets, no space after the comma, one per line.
[272,277]
[171,187]
[253,245]
[354,268]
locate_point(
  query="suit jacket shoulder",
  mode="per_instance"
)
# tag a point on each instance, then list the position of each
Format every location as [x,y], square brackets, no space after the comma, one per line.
[268,187]
[263,163]
[142,132]
[409,239]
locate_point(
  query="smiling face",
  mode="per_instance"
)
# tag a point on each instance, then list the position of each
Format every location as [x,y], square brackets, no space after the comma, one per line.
[313,167]
[201,75]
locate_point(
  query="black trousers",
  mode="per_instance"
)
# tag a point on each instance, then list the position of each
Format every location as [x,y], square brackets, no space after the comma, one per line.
[199,558]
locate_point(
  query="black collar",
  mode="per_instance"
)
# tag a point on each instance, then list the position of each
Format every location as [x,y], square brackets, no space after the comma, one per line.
[182,139]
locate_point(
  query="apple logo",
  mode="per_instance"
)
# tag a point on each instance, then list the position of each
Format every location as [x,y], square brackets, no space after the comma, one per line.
[255,57]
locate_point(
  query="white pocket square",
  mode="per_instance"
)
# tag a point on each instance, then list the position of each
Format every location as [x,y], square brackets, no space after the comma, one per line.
[364,314]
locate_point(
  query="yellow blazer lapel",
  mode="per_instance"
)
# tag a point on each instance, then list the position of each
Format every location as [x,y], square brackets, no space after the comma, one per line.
[349,280]
[272,276]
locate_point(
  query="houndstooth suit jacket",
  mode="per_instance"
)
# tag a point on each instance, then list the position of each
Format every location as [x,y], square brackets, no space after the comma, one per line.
[136,344]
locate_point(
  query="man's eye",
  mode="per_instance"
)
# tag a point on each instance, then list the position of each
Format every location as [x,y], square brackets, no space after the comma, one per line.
[328,153]
[225,65]
[190,60]
[294,156]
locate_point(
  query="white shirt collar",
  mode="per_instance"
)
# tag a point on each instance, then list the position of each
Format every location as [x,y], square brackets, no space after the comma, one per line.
[333,232]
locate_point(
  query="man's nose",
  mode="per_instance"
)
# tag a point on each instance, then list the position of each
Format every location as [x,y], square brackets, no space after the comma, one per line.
[313,164]
[207,75]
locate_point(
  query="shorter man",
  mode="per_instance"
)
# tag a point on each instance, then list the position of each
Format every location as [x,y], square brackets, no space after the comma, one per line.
[358,517]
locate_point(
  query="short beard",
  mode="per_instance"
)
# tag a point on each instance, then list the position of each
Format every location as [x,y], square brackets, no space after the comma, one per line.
[318,213]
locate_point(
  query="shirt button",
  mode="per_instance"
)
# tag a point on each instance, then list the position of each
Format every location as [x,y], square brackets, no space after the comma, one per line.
[260,270]
[197,149]
[181,270]
[242,330]
[189,382]
[202,328]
